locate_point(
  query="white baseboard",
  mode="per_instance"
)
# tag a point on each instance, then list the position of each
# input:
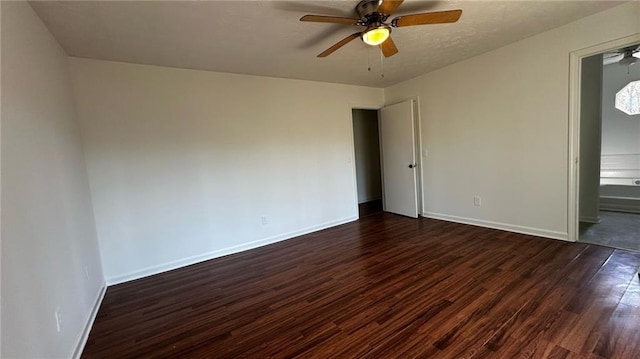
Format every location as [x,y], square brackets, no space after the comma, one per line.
[84,335]
[222,252]
[502,226]
[620,204]
[590,219]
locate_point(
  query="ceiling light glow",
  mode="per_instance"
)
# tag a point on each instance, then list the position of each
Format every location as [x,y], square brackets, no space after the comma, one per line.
[376,36]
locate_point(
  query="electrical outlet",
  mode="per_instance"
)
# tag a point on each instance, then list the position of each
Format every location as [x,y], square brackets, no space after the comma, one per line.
[265,221]
[58,315]
[477,201]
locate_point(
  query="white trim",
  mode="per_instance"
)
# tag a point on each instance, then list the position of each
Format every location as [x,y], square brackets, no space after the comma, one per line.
[497,225]
[624,198]
[145,272]
[384,202]
[575,69]
[419,161]
[594,220]
[620,204]
[84,335]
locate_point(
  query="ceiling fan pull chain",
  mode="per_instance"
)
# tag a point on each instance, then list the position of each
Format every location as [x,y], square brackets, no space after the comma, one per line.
[381,65]
[369,60]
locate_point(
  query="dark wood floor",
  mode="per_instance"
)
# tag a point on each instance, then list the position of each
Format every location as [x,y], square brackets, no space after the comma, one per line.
[384,287]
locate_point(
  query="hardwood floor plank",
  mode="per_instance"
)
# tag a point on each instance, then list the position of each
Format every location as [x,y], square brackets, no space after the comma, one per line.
[596,302]
[621,337]
[383,286]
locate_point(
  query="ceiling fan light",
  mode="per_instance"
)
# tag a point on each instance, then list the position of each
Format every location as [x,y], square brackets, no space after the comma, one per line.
[376,36]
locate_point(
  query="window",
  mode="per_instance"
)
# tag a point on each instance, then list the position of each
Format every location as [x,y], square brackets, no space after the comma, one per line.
[628,99]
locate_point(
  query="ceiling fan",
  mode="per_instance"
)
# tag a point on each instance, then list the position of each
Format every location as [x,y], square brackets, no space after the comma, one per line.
[626,56]
[373,16]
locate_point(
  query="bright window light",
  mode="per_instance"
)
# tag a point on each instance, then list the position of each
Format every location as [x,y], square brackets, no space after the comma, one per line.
[628,99]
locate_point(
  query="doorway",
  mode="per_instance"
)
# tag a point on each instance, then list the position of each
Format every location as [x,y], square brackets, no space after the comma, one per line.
[388,170]
[609,148]
[366,141]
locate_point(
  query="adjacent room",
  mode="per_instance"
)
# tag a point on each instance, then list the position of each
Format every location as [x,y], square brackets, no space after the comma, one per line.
[610,146]
[328,179]
[366,144]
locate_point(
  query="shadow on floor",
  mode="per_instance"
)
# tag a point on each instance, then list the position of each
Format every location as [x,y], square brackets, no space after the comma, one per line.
[367,208]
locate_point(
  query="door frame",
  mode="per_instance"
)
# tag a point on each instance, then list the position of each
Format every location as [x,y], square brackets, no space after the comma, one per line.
[575,73]
[418,145]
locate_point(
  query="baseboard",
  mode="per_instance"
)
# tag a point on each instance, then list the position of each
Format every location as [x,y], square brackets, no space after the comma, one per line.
[82,340]
[594,220]
[620,204]
[623,209]
[222,252]
[502,226]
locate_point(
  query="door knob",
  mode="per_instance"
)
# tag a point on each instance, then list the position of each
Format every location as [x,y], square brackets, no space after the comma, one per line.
[413,165]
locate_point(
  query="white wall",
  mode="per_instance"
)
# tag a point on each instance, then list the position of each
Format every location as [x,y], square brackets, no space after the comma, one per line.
[496,125]
[620,132]
[590,129]
[367,154]
[48,231]
[0,186]
[184,164]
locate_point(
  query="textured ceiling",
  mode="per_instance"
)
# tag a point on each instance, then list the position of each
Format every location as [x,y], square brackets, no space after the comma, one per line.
[266,38]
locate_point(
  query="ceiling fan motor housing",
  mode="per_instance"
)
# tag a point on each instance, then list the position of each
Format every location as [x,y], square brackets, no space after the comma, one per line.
[368,8]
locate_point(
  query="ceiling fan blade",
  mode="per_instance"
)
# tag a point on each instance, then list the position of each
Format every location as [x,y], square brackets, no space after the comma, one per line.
[389,6]
[617,54]
[339,44]
[330,19]
[612,59]
[388,47]
[440,17]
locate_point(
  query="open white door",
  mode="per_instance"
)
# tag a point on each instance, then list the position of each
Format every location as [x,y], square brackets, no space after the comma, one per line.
[397,140]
